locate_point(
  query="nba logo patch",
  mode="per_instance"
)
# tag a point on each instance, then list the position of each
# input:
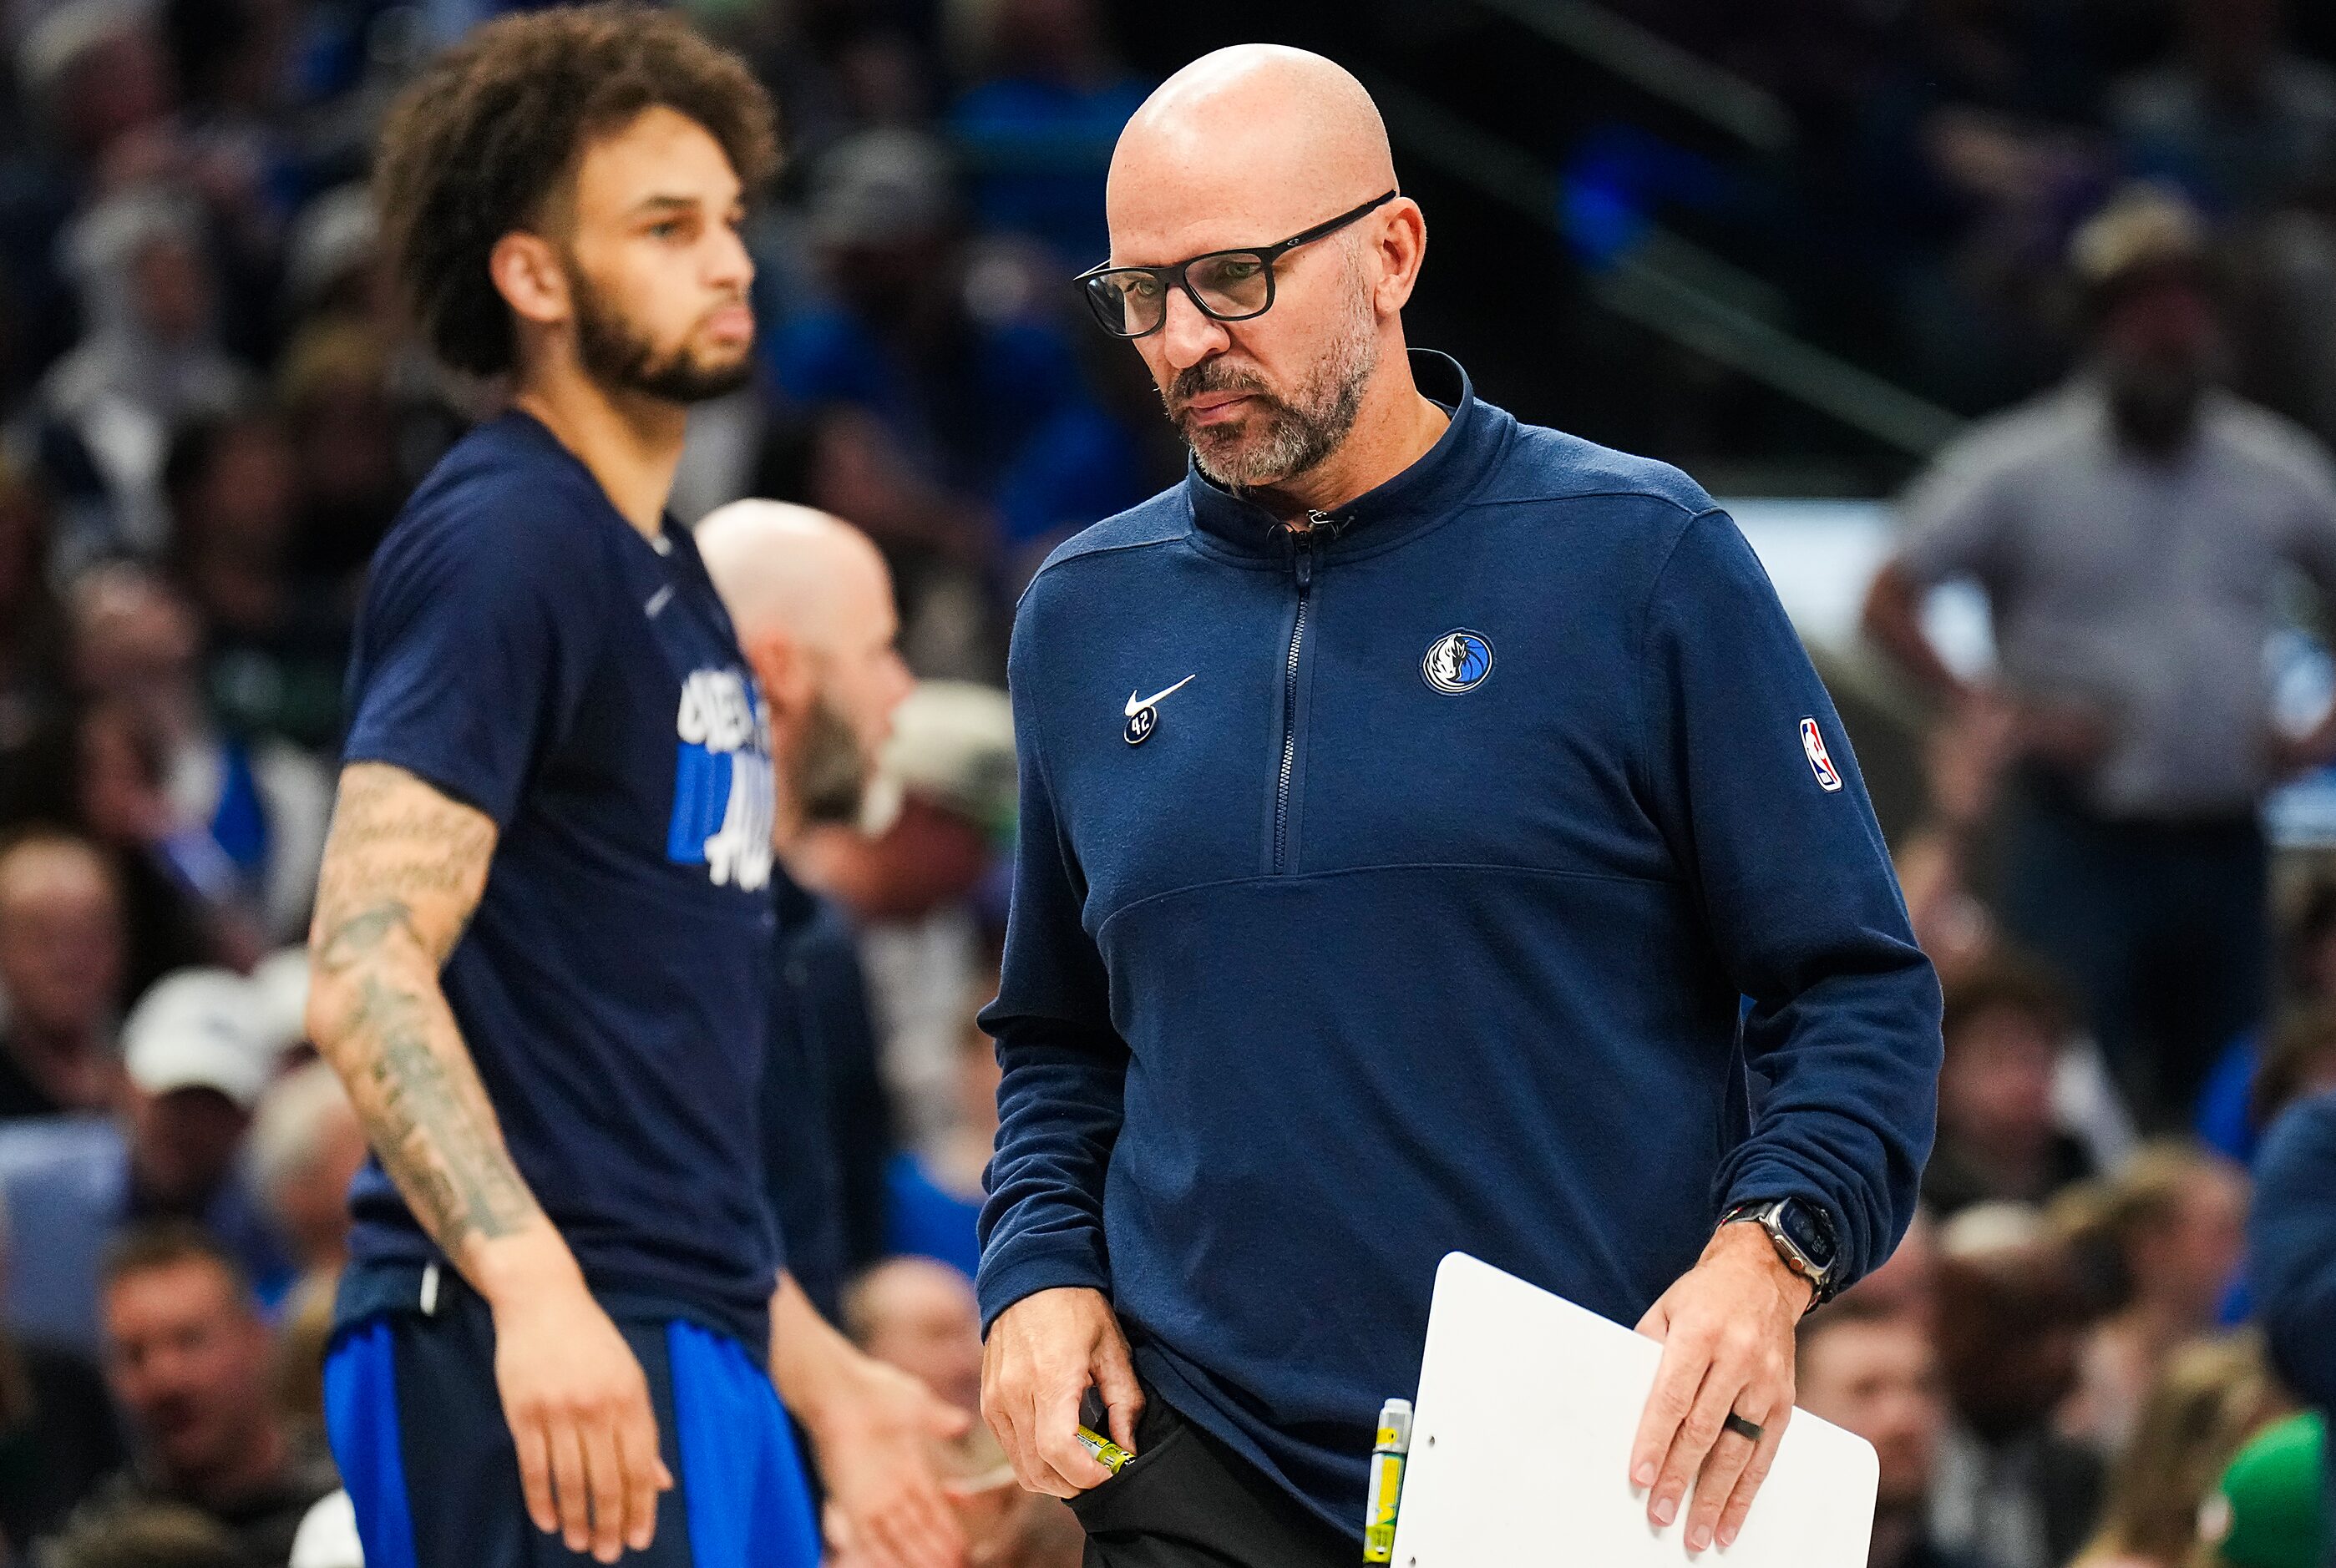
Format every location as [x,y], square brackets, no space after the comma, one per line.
[1820,761]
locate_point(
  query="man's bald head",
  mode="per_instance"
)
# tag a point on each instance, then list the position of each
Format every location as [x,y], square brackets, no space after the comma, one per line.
[1247,143]
[1243,149]
[812,602]
[790,570]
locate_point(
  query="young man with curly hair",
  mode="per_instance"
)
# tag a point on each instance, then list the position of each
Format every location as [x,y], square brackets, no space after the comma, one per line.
[542,931]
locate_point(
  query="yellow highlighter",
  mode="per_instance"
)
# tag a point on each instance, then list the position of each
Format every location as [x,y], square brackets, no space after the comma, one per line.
[1107,1454]
[1386,1491]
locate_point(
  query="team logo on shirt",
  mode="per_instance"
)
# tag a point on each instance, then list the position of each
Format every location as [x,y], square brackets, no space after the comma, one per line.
[1456,661]
[721,783]
[1820,761]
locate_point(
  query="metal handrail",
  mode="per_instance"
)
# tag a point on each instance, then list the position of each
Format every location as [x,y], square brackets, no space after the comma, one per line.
[1652,63]
[1663,283]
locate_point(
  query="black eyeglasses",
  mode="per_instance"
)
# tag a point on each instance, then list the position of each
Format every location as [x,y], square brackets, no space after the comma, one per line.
[1223,284]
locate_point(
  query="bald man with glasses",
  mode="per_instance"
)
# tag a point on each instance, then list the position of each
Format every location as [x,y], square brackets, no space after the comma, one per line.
[1410,801]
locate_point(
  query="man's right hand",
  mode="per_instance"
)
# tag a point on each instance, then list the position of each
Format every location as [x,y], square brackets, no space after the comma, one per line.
[1044,1352]
[578,1407]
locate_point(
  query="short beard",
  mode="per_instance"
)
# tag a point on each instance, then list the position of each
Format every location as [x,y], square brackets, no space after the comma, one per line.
[1280,437]
[829,771]
[620,358]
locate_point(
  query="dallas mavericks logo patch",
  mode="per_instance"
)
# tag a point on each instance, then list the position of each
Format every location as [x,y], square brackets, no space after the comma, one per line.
[1456,661]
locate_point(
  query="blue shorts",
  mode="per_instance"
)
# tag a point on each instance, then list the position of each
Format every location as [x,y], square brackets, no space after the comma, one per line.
[417,1429]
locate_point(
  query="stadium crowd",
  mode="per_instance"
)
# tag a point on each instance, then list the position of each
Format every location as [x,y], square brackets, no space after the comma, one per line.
[211,416]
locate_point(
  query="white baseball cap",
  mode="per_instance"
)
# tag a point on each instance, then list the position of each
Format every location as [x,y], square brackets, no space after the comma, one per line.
[200,1029]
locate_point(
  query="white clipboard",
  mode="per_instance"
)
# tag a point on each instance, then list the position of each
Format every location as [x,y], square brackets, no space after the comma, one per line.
[1521,1447]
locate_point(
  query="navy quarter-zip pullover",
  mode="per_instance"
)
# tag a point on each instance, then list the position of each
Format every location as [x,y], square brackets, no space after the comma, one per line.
[1392,888]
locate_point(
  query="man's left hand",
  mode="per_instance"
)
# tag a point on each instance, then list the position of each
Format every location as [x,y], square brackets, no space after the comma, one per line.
[878,1443]
[1726,1329]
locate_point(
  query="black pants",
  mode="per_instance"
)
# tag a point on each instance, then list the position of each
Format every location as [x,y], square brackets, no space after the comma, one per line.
[2163,928]
[1187,1501]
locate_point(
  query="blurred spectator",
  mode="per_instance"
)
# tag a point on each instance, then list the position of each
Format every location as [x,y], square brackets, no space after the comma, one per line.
[931,836]
[148,365]
[97,770]
[2130,530]
[197,1060]
[933,1195]
[95,88]
[333,383]
[2271,1508]
[2006,1025]
[61,957]
[1875,1371]
[2211,1398]
[274,645]
[922,1317]
[58,1437]
[2169,1228]
[977,435]
[2011,1317]
[1038,124]
[2292,1247]
[305,1147]
[1907,1283]
[2240,1100]
[154,1536]
[813,613]
[2300,1063]
[187,1354]
[2239,119]
[248,814]
[30,639]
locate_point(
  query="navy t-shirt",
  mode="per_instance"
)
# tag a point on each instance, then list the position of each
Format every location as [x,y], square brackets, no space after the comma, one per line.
[526,651]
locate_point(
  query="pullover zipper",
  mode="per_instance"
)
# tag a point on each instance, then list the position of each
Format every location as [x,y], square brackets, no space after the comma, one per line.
[1303,547]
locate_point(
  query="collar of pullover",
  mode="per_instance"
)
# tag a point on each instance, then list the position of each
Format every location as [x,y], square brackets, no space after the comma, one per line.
[1428,490]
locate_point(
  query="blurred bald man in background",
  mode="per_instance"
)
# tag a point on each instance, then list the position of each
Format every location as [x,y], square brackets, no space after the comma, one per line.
[1408,798]
[811,601]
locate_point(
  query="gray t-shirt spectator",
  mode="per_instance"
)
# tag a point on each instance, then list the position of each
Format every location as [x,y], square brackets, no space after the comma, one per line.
[2145,590]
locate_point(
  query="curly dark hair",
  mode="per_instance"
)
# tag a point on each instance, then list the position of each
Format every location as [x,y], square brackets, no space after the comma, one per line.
[486,136]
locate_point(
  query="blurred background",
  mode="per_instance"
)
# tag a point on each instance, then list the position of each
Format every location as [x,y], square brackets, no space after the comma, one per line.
[2006,328]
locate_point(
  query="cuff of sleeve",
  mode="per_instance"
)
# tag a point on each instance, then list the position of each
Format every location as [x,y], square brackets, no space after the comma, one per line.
[1770,1180]
[1013,1270]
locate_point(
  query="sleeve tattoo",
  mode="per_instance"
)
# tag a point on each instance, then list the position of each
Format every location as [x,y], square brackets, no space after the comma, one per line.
[404,870]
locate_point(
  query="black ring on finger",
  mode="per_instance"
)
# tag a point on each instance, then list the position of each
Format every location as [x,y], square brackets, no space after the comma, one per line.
[1744,1429]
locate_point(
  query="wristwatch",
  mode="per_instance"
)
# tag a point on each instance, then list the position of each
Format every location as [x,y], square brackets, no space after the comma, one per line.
[1801,1234]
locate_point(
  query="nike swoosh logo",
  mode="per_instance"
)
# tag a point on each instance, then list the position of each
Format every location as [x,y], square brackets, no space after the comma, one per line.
[1136,705]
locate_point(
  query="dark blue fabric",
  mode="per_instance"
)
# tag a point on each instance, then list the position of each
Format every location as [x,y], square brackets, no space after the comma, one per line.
[2165,929]
[827,1122]
[2292,1253]
[1475,982]
[417,1429]
[525,650]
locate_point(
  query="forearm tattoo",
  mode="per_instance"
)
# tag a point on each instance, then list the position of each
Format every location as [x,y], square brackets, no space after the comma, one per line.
[404,868]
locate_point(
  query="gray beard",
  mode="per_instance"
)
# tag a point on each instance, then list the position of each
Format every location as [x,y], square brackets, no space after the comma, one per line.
[1282,437]
[828,773]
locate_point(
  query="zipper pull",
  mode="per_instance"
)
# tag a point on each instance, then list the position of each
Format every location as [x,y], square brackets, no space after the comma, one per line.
[1305,568]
